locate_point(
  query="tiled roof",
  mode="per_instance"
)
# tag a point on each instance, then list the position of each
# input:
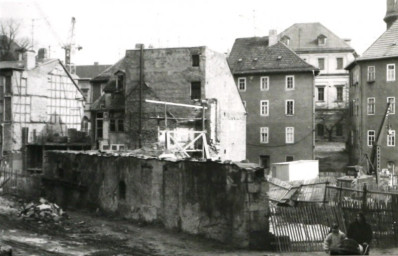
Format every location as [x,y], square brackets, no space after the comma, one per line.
[108,72]
[253,55]
[304,38]
[385,46]
[90,71]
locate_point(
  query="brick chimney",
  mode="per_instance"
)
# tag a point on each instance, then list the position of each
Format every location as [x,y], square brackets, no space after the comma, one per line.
[29,58]
[272,37]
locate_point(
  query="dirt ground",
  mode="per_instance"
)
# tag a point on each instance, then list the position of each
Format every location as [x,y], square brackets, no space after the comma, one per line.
[86,233]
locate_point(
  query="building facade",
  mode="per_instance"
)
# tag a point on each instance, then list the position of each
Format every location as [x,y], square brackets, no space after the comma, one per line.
[277,88]
[321,48]
[85,73]
[373,121]
[41,108]
[193,76]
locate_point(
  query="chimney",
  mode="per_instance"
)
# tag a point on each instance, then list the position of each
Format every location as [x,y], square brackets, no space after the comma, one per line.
[42,54]
[138,46]
[29,59]
[392,13]
[96,63]
[272,37]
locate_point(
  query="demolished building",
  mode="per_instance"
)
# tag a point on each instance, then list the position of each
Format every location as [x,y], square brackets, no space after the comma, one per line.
[195,96]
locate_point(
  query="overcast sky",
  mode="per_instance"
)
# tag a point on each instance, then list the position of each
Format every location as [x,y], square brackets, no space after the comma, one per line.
[105,29]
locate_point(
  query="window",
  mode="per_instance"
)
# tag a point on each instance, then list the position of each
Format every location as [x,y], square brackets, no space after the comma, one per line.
[321,63]
[391,72]
[195,91]
[286,40]
[371,73]
[391,138]
[391,100]
[289,158]
[339,130]
[321,93]
[371,137]
[116,122]
[289,134]
[7,109]
[289,107]
[242,84]
[339,93]
[264,108]
[120,82]
[339,63]
[8,85]
[195,60]
[321,40]
[264,135]
[371,106]
[320,130]
[289,82]
[264,83]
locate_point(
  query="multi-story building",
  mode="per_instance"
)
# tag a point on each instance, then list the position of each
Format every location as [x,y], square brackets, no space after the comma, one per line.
[321,48]
[373,86]
[277,88]
[85,73]
[41,108]
[172,76]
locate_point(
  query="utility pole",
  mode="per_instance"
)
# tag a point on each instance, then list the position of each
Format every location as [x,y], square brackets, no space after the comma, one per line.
[140,95]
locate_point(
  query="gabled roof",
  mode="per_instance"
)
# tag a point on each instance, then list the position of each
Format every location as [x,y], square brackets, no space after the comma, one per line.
[253,55]
[110,71]
[304,38]
[90,71]
[385,46]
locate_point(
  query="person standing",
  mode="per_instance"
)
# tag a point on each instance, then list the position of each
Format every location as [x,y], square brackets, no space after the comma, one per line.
[360,231]
[333,240]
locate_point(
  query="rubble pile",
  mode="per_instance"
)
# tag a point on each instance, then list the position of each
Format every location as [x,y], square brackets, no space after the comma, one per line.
[43,211]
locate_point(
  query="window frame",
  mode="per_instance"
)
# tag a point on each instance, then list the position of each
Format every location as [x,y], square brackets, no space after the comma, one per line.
[287,83]
[371,76]
[262,87]
[339,93]
[287,107]
[392,79]
[195,83]
[370,106]
[264,130]
[324,63]
[369,136]
[392,106]
[337,63]
[266,108]
[391,139]
[323,94]
[195,60]
[244,83]
[289,131]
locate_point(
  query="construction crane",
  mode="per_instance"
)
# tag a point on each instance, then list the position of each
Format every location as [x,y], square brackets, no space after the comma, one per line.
[375,156]
[70,47]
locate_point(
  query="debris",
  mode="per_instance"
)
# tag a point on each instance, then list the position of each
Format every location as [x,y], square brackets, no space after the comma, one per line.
[43,211]
[5,250]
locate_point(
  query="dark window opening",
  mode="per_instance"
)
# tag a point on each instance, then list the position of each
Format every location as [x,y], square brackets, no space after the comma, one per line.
[340,63]
[321,63]
[99,128]
[120,83]
[60,172]
[112,125]
[265,161]
[7,109]
[120,125]
[195,91]
[122,190]
[8,84]
[289,158]
[339,130]
[195,60]
[320,129]
[339,93]
[321,94]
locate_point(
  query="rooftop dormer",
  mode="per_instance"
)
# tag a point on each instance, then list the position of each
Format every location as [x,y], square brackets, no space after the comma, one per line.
[322,40]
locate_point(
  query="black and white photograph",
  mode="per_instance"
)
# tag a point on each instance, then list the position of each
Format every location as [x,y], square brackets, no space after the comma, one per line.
[198,127]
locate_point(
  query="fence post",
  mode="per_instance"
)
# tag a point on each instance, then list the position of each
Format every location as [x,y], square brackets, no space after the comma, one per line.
[364,196]
[340,190]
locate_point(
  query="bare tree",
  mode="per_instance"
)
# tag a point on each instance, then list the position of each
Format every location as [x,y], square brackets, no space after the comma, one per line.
[11,42]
